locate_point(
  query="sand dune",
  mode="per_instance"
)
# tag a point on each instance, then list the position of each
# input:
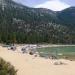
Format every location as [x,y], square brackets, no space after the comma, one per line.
[29,65]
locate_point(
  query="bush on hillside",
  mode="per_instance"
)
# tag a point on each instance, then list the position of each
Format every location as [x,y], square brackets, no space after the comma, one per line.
[6,68]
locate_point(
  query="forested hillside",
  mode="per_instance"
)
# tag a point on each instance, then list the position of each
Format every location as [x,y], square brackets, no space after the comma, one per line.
[22,24]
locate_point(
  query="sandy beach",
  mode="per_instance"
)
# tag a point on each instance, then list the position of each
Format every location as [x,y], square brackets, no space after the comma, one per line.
[30,65]
[54,45]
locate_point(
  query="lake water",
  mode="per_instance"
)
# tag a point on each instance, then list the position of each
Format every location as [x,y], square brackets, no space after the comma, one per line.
[68,51]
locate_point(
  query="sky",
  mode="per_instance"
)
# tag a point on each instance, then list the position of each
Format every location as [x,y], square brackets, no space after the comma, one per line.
[56,5]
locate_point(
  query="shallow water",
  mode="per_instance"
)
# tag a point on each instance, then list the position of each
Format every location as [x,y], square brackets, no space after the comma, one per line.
[68,51]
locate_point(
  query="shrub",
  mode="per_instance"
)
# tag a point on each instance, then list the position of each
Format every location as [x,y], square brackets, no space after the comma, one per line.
[6,68]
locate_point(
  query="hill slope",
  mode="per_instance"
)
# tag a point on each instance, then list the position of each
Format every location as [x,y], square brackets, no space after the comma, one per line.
[23,24]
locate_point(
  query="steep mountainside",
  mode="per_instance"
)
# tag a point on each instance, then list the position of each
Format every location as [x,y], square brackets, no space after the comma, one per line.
[67,16]
[22,24]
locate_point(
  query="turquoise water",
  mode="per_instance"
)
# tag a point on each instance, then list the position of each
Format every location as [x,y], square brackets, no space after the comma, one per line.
[59,51]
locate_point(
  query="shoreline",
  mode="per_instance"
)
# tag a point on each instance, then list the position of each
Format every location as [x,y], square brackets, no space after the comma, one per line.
[43,45]
[30,65]
[55,45]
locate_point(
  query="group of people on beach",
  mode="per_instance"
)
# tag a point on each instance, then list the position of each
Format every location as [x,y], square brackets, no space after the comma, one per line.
[28,49]
[32,50]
